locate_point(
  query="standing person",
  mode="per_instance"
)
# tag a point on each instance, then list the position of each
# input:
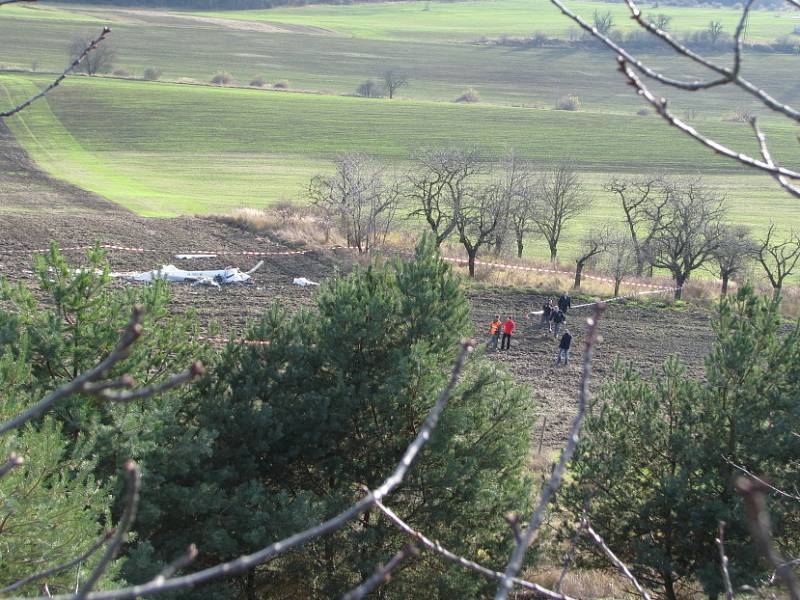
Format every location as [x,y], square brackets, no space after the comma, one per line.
[547,313]
[564,302]
[508,329]
[494,333]
[563,347]
[558,318]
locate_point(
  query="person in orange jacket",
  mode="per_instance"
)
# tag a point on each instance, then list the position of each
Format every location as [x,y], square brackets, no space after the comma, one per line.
[508,329]
[494,333]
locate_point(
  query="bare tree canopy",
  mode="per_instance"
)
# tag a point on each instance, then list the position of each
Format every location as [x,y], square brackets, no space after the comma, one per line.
[643,200]
[101,60]
[521,192]
[690,233]
[438,184]
[393,80]
[561,199]
[736,248]
[369,89]
[634,70]
[620,259]
[360,198]
[778,259]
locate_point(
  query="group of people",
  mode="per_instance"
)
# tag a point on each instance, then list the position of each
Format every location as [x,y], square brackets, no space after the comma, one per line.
[554,316]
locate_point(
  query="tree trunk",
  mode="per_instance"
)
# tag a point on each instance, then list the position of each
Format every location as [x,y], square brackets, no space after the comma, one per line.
[724,291]
[578,272]
[471,261]
[250,585]
[679,281]
[776,290]
[553,251]
[617,282]
[669,587]
[519,247]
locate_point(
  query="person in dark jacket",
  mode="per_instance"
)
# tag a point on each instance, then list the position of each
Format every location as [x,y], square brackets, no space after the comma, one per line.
[564,302]
[547,313]
[558,319]
[563,347]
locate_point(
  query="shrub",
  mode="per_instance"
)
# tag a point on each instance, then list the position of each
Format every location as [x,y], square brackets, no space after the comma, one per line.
[152,73]
[222,78]
[281,85]
[258,82]
[469,95]
[369,89]
[643,112]
[742,114]
[572,103]
[121,73]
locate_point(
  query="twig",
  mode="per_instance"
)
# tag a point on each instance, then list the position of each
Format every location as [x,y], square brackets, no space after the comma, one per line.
[246,562]
[14,460]
[14,1]
[73,65]
[195,370]
[568,558]
[752,492]
[761,481]
[182,561]
[437,548]
[382,573]
[515,563]
[660,105]
[62,567]
[121,533]
[723,562]
[767,156]
[616,561]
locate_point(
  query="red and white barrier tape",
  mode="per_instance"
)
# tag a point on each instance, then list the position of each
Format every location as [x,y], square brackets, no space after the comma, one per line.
[131,250]
[614,299]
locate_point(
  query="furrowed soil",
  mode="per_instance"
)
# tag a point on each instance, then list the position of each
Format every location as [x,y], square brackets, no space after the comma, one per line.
[36,209]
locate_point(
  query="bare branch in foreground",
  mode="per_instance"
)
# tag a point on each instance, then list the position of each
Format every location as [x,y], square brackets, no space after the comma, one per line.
[752,492]
[14,460]
[767,156]
[57,81]
[243,563]
[568,556]
[91,381]
[723,562]
[182,561]
[121,533]
[437,548]
[660,106]
[761,481]
[515,563]
[14,1]
[62,567]
[616,561]
[383,573]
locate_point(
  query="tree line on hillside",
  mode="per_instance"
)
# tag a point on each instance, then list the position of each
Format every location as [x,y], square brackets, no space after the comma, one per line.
[677,225]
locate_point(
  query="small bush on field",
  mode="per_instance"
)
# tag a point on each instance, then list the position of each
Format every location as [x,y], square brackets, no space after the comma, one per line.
[741,115]
[369,89]
[281,85]
[643,112]
[469,96]
[121,73]
[152,74]
[258,82]
[222,78]
[571,103]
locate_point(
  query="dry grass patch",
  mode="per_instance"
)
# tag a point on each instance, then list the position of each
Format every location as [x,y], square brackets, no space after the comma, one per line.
[292,223]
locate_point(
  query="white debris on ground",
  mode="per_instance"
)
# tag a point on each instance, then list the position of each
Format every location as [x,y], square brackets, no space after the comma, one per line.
[212,278]
[303,282]
[191,256]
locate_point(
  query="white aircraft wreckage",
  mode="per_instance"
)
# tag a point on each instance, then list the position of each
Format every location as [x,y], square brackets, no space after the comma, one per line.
[212,278]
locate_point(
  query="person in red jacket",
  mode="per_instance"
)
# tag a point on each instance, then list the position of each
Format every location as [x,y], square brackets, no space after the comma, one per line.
[508,329]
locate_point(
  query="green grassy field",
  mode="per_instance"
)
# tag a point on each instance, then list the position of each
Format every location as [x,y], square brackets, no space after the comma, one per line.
[166,149]
[469,20]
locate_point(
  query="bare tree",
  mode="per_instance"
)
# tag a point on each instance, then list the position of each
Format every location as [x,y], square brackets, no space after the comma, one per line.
[438,183]
[593,243]
[360,197]
[99,61]
[714,31]
[521,188]
[662,21]
[643,201]
[690,232]
[620,259]
[561,199]
[736,247]
[778,259]
[634,70]
[393,80]
[483,210]
[603,22]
